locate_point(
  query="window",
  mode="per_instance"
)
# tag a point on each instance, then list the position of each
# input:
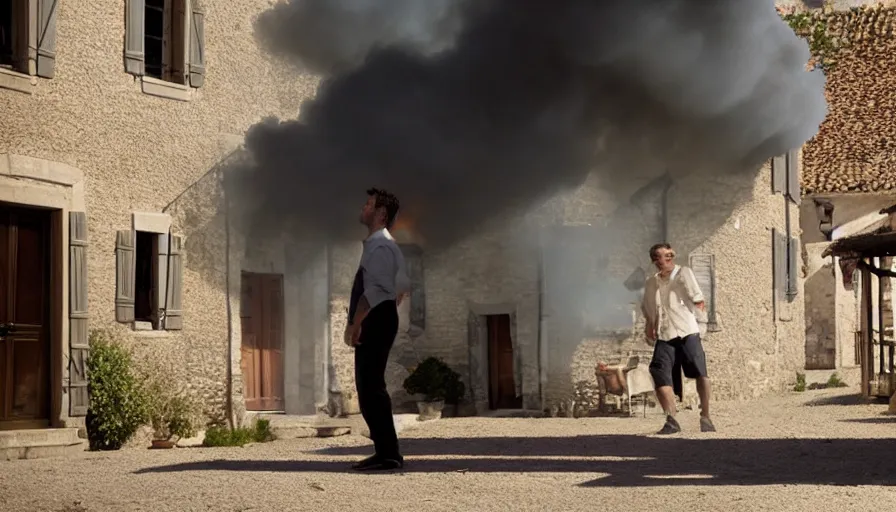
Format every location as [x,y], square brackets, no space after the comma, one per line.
[28,36]
[149,274]
[413,259]
[165,41]
[786,256]
[704,268]
[146,278]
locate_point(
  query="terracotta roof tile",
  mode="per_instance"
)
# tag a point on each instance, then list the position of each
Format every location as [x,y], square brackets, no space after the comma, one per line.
[855,149]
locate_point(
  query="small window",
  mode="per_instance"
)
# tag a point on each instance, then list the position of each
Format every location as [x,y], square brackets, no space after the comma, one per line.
[165,40]
[14,35]
[146,278]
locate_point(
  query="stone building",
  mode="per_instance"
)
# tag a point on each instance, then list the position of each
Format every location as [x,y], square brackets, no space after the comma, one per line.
[115,117]
[849,175]
[119,120]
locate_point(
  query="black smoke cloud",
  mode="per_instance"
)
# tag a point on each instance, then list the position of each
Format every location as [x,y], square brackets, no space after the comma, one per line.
[473,109]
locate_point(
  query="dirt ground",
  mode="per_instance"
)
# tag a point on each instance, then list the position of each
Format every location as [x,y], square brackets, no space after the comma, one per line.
[819,450]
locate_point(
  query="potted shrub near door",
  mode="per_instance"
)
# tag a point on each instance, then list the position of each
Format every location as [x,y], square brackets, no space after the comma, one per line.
[438,384]
[171,414]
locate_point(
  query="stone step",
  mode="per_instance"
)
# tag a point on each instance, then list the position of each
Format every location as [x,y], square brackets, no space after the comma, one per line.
[289,426]
[40,443]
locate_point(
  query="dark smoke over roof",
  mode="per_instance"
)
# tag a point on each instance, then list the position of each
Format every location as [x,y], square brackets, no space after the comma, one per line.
[469,110]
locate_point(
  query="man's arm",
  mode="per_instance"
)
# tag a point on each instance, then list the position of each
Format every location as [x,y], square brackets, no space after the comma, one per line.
[379,282]
[692,287]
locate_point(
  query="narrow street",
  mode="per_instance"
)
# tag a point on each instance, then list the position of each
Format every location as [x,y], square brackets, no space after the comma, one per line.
[819,450]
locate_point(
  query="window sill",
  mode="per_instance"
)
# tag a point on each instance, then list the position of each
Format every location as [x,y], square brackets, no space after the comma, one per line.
[163,89]
[16,81]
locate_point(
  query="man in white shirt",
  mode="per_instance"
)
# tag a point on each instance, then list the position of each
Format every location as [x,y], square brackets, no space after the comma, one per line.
[671,305]
[380,284]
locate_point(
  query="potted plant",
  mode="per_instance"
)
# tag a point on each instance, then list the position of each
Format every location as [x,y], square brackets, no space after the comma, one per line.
[170,414]
[438,384]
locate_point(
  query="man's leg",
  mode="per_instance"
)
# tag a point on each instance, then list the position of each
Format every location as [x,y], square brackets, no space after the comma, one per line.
[694,364]
[661,371]
[371,357]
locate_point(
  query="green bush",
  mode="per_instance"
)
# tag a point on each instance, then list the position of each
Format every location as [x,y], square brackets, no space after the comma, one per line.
[800,383]
[435,380]
[259,432]
[117,401]
[170,413]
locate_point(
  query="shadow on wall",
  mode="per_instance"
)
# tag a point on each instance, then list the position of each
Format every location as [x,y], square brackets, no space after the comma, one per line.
[639,461]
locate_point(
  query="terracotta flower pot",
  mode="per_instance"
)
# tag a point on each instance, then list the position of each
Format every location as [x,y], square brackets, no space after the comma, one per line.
[430,410]
[162,444]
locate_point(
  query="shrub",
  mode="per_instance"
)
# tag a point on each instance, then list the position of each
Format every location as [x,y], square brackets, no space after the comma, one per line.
[435,380]
[117,401]
[170,413]
[259,432]
[800,383]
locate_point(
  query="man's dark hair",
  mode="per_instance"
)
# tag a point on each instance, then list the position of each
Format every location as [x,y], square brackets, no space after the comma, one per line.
[387,200]
[656,247]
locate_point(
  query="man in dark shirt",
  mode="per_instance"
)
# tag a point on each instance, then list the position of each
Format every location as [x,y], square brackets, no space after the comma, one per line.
[380,283]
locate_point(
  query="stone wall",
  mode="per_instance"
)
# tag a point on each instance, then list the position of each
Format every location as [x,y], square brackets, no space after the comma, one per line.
[821,329]
[140,153]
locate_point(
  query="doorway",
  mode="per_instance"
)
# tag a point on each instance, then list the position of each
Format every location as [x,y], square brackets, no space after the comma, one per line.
[25,303]
[501,383]
[261,316]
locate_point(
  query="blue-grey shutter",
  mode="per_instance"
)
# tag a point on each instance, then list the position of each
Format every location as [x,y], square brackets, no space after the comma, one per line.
[793,175]
[46,37]
[125,269]
[79,345]
[793,268]
[197,46]
[133,39]
[704,268]
[779,174]
[174,308]
[779,256]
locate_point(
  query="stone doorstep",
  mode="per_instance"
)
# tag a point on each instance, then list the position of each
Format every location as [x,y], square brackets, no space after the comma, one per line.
[40,443]
[300,427]
[27,438]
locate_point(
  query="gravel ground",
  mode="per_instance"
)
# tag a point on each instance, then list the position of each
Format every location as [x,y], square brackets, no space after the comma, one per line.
[819,450]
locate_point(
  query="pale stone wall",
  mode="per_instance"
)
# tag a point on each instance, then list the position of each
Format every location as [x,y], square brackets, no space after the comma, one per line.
[758,347]
[140,153]
[821,328]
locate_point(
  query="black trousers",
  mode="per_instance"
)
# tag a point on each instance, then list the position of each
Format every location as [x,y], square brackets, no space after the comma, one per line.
[673,356]
[378,331]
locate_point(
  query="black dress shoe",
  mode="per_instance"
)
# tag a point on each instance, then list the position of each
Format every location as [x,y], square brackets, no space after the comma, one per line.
[378,463]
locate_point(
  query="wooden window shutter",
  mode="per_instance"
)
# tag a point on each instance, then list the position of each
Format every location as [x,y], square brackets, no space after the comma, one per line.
[46,37]
[178,41]
[133,39]
[174,308]
[161,284]
[197,46]
[793,175]
[779,257]
[793,268]
[779,174]
[79,345]
[704,268]
[125,268]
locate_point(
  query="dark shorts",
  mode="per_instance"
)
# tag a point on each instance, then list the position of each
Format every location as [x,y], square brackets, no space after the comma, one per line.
[686,352]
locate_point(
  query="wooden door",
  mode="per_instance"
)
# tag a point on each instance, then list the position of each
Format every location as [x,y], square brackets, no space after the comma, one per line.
[501,384]
[24,302]
[262,341]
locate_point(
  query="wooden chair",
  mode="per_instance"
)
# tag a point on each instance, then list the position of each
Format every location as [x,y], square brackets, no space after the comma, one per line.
[624,381]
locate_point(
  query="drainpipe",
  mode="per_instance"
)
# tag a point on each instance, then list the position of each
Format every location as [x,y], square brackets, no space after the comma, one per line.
[228,401]
[543,322]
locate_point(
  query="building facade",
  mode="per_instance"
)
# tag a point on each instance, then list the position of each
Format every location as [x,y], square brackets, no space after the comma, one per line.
[116,117]
[120,121]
